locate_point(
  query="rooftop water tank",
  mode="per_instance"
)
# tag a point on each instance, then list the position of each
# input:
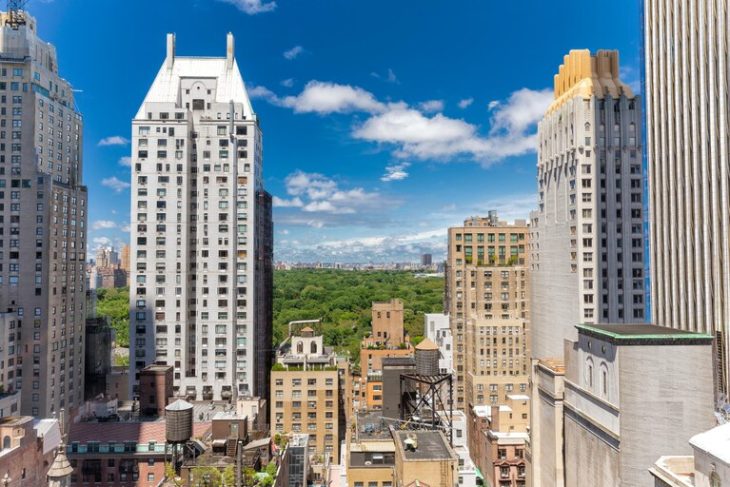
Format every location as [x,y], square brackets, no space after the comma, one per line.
[427,358]
[179,421]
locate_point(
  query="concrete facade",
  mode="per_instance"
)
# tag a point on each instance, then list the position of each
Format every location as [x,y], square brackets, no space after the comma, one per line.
[632,392]
[199,213]
[586,241]
[687,100]
[42,280]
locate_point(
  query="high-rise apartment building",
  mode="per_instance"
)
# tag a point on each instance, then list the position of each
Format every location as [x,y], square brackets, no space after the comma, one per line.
[587,246]
[487,290]
[687,103]
[42,222]
[201,231]
[387,322]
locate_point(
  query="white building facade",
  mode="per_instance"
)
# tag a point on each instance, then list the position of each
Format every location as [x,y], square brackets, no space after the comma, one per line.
[198,297]
[687,102]
[586,243]
[437,329]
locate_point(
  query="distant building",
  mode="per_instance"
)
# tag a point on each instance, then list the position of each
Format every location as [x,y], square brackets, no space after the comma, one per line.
[708,466]
[437,328]
[155,389]
[629,394]
[27,449]
[426,260]
[486,281]
[306,394]
[387,323]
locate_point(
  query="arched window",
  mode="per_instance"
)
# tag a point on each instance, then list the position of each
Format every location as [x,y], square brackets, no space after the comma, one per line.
[604,379]
[300,347]
[589,372]
[715,480]
[6,442]
[313,348]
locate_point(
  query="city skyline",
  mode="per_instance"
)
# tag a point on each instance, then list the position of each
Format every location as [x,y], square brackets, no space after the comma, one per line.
[387,200]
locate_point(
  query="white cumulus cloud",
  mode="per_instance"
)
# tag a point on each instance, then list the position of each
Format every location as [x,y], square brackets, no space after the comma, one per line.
[395,172]
[125,161]
[103,224]
[287,83]
[252,7]
[316,200]
[322,97]
[465,102]
[293,53]
[431,106]
[115,184]
[114,140]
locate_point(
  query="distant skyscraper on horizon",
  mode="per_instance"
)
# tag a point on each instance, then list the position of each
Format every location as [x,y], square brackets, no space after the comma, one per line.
[43,228]
[426,260]
[587,246]
[687,103]
[202,236]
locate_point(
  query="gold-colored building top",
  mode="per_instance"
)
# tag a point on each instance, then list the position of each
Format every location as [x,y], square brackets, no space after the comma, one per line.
[586,75]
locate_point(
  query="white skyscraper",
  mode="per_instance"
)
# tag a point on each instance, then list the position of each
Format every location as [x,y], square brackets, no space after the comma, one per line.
[587,251]
[201,231]
[42,225]
[687,102]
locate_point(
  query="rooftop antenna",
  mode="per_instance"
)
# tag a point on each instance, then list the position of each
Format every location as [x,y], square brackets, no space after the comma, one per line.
[16,15]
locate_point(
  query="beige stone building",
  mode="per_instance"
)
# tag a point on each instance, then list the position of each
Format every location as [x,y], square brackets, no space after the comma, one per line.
[43,234]
[387,322]
[305,395]
[425,458]
[487,296]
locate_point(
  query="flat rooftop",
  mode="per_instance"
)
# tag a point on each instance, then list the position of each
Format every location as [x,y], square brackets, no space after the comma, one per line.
[431,445]
[643,334]
[372,426]
[716,442]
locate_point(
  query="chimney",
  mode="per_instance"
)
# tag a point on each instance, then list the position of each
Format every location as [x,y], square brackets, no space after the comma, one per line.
[230,51]
[170,59]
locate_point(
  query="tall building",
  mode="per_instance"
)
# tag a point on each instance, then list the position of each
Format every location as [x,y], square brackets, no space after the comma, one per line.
[587,246]
[487,291]
[586,241]
[201,231]
[43,227]
[686,85]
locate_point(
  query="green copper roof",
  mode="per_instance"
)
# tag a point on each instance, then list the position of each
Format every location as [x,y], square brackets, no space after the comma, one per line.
[643,334]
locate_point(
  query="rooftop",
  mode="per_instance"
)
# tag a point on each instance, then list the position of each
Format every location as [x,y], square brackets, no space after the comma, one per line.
[372,426]
[643,334]
[430,445]
[716,442]
[398,362]
[138,432]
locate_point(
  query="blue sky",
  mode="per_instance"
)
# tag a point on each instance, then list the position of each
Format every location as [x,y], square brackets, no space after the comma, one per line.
[384,122]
